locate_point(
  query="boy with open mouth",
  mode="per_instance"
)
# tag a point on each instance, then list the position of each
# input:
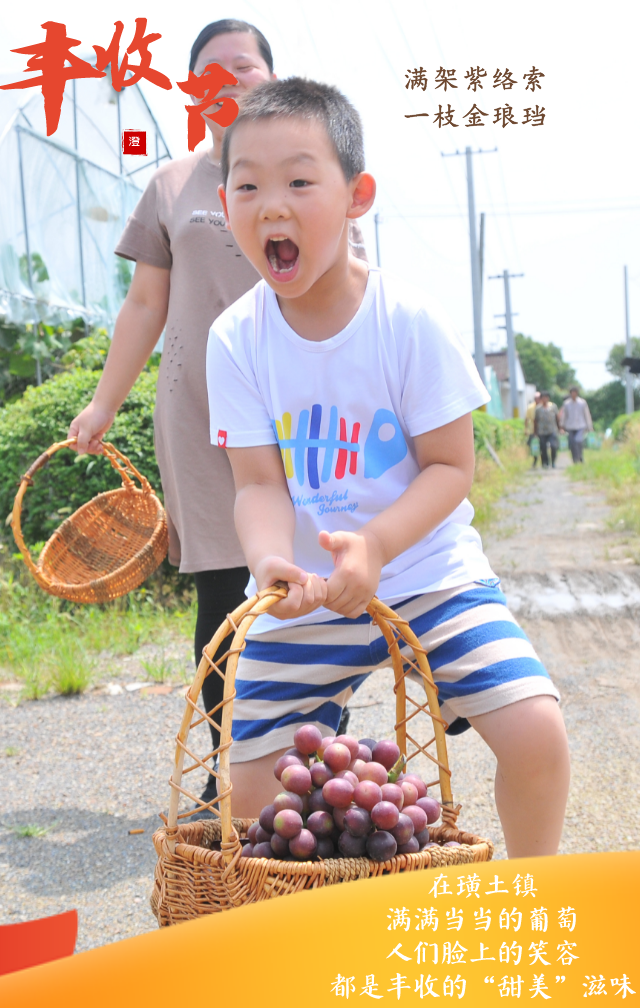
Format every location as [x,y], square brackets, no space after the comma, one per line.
[344,400]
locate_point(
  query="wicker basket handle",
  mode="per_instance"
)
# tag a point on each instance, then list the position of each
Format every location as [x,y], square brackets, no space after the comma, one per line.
[120,463]
[397,633]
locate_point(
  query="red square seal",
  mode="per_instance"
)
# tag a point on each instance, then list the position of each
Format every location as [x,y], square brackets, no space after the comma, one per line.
[222,439]
[134,142]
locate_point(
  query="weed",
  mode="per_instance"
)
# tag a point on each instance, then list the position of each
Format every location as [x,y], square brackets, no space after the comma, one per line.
[49,642]
[616,467]
[11,751]
[490,483]
[31,830]
[71,668]
[34,679]
[160,670]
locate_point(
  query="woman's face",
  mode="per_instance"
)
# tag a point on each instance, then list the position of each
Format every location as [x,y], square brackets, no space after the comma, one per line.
[237,52]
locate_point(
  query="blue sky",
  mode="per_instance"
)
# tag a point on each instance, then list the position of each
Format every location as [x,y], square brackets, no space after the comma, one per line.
[562,200]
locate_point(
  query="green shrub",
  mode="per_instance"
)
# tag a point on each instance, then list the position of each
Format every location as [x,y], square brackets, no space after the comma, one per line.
[499,433]
[89,353]
[621,426]
[41,417]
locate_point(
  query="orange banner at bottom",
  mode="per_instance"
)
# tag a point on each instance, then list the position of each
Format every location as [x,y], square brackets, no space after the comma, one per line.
[561,929]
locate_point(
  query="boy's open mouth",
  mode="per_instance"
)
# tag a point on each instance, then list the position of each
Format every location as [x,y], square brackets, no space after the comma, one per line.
[282,255]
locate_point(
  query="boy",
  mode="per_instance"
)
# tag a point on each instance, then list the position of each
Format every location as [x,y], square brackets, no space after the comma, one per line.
[344,402]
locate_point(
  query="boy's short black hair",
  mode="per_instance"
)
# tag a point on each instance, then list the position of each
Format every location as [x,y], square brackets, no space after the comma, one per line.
[306,99]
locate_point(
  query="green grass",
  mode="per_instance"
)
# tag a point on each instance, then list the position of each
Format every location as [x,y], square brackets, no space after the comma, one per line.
[616,468]
[11,751]
[162,669]
[47,643]
[491,483]
[31,830]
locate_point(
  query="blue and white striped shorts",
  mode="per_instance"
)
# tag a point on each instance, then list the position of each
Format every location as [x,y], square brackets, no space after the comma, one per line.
[480,657]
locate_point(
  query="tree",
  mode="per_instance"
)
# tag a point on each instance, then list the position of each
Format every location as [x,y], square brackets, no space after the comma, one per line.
[544,366]
[608,402]
[617,352]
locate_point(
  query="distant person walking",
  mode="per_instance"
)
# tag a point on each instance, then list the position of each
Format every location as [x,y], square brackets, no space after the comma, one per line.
[546,427]
[529,428]
[575,419]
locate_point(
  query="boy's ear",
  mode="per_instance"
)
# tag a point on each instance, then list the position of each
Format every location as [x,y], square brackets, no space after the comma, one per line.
[363,194]
[222,196]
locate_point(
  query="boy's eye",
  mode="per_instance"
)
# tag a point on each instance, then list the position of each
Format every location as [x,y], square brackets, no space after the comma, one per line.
[247,187]
[299,183]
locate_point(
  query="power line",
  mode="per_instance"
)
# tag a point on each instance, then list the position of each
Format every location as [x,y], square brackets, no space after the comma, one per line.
[436,213]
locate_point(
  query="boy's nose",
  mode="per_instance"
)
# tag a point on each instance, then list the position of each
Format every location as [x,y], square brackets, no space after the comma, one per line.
[275,208]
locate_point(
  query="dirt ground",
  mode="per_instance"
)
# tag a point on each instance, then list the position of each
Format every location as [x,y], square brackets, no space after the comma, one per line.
[89,769]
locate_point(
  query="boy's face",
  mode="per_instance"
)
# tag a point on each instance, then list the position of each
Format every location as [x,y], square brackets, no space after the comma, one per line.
[287,201]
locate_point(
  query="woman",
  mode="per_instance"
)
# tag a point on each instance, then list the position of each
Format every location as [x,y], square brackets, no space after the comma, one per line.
[188,270]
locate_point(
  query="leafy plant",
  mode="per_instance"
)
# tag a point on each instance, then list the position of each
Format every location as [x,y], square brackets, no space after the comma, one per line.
[31,830]
[39,271]
[26,348]
[11,751]
[89,353]
[499,433]
[42,417]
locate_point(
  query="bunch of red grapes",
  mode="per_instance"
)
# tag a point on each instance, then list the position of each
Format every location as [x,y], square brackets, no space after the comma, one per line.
[343,798]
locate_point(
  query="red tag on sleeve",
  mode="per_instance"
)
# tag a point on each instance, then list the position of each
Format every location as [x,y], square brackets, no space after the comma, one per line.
[222,439]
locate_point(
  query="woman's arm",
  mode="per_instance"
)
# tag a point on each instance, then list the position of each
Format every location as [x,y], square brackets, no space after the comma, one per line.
[265,522]
[446,459]
[138,327]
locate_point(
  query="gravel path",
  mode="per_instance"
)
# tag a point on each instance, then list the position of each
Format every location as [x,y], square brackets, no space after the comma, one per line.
[89,769]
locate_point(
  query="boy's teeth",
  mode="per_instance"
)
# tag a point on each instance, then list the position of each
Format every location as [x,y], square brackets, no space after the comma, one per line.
[274,265]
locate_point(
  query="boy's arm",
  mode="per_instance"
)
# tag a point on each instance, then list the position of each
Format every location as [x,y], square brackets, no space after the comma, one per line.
[265,521]
[446,460]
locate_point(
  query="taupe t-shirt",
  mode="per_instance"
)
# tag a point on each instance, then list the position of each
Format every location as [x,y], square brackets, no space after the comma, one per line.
[179,225]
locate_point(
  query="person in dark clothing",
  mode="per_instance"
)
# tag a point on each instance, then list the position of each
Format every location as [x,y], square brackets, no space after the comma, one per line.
[546,428]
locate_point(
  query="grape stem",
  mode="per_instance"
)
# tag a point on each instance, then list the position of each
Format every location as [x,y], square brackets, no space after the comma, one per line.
[396,769]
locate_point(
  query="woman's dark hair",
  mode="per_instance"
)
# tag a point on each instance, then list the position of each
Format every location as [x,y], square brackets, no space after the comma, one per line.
[306,99]
[226,27]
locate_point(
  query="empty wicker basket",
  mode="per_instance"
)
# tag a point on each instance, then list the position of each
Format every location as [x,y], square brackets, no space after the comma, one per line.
[108,546]
[192,878]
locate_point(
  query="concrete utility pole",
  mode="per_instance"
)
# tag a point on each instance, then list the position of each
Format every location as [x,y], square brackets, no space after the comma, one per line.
[476,277]
[481,261]
[511,344]
[377,221]
[629,376]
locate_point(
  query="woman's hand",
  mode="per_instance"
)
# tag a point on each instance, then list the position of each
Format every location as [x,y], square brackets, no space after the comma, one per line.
[137,330]
[89,427]
[306,591]
[358,559]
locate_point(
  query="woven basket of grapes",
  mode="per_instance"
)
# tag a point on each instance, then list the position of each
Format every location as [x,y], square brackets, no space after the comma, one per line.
[349,809]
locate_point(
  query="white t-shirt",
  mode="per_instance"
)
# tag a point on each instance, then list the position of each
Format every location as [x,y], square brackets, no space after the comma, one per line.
[344,412]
